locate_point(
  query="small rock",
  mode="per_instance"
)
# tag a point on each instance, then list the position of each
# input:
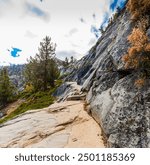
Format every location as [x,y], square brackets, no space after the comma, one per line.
[74,139]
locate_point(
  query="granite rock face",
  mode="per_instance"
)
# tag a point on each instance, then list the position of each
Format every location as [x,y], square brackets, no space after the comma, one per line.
[105,56]
[67,90]
[124,114]
[64,124]
[122,110]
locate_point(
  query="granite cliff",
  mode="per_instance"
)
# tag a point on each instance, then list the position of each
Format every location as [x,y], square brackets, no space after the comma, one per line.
[121,109]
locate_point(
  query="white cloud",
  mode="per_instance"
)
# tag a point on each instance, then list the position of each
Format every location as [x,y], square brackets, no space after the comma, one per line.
[36,11]
[19,28]
[30,34]
[73,31]
[92,42]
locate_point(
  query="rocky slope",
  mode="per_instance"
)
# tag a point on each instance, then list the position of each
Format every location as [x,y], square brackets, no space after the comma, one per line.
[107,53]
[122,110]
[64,124]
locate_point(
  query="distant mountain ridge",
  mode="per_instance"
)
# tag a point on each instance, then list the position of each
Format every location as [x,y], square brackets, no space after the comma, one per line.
[16,73]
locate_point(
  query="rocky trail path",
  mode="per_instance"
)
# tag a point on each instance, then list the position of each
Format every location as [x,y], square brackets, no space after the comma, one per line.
[63,124]
[12,107]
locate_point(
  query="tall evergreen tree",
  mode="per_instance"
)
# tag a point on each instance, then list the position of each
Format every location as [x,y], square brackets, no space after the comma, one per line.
[118,10]
[101,29]
[66,61]
[6,88]
[41,71]
[72,60]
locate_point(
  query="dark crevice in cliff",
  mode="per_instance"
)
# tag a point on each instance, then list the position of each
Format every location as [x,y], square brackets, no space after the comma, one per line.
[124,73]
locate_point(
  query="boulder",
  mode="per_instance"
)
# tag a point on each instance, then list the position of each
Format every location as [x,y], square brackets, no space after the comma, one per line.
[124,114]
[68,90]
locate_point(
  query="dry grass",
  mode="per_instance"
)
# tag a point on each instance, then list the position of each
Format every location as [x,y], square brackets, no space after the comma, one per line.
[138,54]
[138,8]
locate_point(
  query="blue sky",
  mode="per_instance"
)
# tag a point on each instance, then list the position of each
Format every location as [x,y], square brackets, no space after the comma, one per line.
[117,3]
[113,5]
[14,52]
[35,10]
[72,24]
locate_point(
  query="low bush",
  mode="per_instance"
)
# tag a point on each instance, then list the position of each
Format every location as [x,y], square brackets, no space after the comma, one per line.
[34,101]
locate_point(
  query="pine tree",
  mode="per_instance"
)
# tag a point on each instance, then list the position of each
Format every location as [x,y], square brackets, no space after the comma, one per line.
[6,88]
[66,61]
[118,10]
[72,60]
[42,70]
[53,72]
[101,29]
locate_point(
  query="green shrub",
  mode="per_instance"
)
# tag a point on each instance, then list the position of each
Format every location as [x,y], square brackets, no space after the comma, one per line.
[34,101]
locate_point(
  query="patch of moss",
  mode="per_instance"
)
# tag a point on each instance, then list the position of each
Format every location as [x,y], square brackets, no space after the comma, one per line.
[34,101]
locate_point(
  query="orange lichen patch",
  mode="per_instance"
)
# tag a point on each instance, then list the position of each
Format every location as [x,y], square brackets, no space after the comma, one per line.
[147,48]
[138,38]
[140,82]
[137,55]
[138,8]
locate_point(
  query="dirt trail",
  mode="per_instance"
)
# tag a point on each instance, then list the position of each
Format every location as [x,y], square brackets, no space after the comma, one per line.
[12,107]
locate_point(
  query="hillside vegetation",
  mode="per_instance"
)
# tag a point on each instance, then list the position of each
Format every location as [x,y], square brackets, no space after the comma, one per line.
[138,55]
[41,76]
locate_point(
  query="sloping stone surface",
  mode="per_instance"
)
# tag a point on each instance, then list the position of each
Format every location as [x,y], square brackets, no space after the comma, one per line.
[67,90]
[64,124]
